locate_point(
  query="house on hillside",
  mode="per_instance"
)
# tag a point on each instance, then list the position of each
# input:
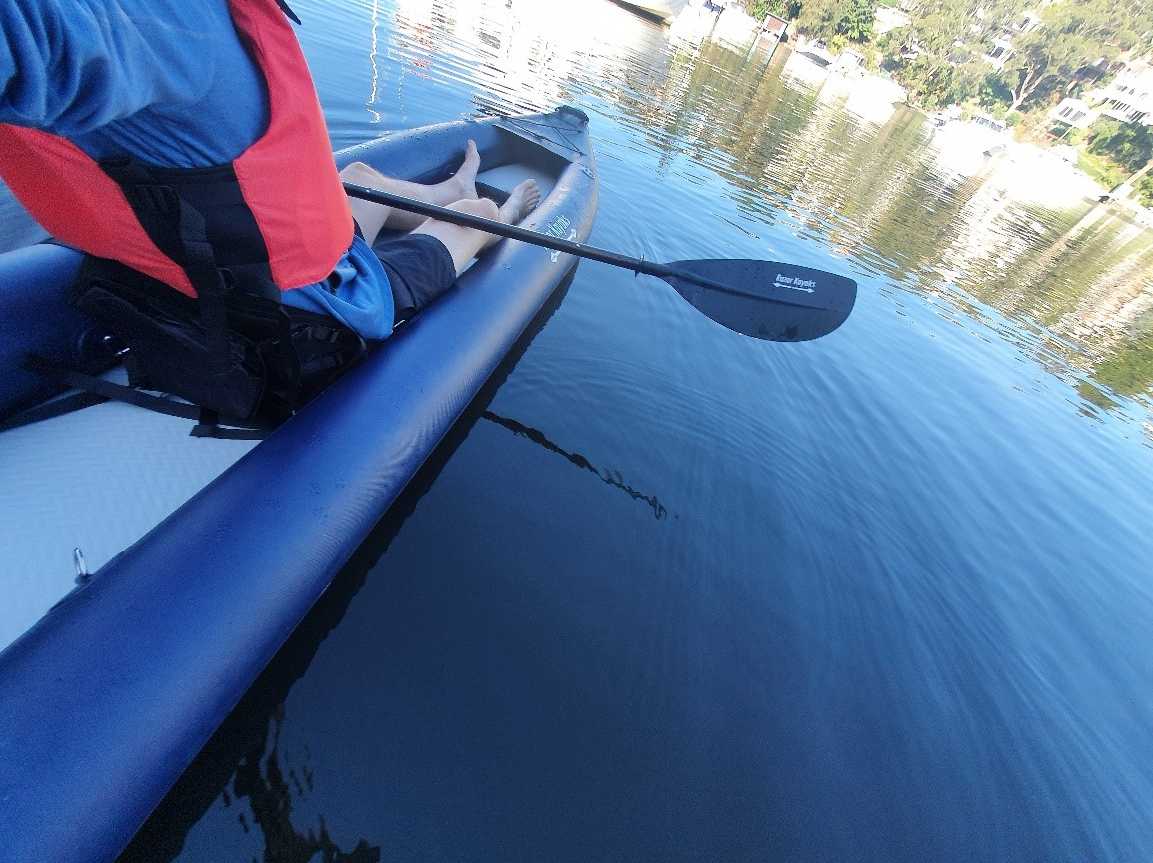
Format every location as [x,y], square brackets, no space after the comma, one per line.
[1002,46]
[1074,112]
[775,28]
[1129,96]
[1000,52]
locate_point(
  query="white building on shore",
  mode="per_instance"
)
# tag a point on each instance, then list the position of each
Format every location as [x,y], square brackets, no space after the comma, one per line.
[1129,96]
[1074,112]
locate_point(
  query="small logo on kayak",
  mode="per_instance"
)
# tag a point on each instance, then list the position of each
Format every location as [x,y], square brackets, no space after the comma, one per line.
[795,284]
[561,228]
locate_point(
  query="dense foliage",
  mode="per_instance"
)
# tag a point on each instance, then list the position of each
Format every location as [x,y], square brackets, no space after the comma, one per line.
[940,57]
[1129,145]
[1004,56]
[829,19]
[1057,51]
[1071,39]
[787,9]
[1145,190]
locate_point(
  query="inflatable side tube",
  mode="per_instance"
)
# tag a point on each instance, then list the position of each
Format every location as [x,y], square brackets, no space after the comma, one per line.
[109,697]
[35,316]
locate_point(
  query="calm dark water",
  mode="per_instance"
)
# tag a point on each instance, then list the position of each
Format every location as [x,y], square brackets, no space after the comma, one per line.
[672,594]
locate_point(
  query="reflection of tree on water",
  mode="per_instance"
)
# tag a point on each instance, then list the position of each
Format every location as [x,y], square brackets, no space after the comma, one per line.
[608,477]
[270,796]
[875,193]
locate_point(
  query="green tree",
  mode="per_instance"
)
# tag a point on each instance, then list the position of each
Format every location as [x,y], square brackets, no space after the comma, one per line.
[947,28]
[1144,190]
[1128,145]
[1071,38]
[787,9]
[955,34]
[828,19]
[857,21]
[930,80]
[937,58]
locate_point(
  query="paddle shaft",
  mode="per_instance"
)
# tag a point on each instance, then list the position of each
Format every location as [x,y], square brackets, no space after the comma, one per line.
[513,232]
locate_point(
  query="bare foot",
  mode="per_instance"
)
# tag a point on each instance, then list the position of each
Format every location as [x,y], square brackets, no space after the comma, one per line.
[520,203]
[463,182]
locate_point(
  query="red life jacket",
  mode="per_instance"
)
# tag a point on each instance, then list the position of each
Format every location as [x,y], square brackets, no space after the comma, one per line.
[278,208]
[229,238]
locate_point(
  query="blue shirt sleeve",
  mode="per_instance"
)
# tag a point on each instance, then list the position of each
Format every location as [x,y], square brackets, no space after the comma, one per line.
[74,66]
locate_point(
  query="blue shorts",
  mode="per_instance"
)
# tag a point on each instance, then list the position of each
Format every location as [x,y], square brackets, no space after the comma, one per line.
[419,269]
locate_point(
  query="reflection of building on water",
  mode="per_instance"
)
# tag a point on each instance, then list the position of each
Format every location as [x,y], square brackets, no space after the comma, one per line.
[842,81]
[1116,302]
[799,142]
[1090,283]
[527,55]
[1080,271]
[985,240]
[827,149]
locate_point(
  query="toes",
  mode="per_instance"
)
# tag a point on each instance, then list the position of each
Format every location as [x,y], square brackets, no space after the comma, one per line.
[471,157]
[465,177]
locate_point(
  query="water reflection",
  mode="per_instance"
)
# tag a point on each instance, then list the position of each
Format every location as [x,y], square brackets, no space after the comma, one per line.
[1076,283]
[608,477]
[269,791]
[1084,274]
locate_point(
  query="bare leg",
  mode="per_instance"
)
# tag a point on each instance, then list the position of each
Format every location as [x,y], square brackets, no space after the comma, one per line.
[464,244]
[521,201]
[374,217]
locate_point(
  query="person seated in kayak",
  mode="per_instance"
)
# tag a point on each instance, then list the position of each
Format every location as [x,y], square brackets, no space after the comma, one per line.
[173,91]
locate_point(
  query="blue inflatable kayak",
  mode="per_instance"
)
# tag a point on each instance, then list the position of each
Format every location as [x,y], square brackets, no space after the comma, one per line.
[205,554]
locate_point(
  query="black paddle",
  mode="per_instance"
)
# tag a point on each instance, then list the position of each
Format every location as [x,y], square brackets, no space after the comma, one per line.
[764,299]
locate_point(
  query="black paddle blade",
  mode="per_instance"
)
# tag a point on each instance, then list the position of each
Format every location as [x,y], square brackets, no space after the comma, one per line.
[766,300]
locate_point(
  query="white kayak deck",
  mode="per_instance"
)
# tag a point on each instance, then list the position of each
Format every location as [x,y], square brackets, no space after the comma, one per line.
[98,480]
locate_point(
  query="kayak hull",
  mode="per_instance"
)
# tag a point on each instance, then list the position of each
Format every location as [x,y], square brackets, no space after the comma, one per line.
[107,699]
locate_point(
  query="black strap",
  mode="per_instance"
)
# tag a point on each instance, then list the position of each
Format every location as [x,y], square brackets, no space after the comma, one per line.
[180,231]
[211,430]
[102,390]
[109,390]
[52,409]
[200,265]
